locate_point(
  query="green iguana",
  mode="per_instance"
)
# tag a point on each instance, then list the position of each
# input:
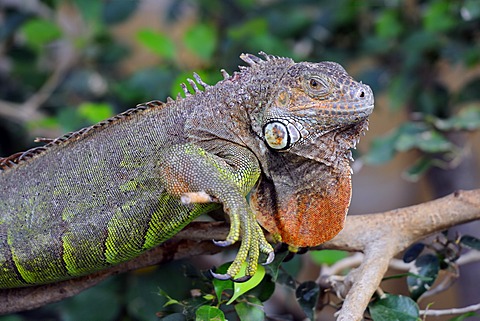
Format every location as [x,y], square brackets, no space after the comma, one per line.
[279,130]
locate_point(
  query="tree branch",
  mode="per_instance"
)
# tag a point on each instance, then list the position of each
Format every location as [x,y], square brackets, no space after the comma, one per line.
[379,236]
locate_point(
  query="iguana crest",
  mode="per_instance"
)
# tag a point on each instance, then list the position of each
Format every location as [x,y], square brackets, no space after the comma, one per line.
[14,159]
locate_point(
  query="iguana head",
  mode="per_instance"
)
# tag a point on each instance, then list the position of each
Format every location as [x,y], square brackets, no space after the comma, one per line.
[316,114]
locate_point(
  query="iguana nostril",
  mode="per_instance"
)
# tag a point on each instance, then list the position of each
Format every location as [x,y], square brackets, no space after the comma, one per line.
[362,94]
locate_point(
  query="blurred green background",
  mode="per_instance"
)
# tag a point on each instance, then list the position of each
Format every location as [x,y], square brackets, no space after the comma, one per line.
[68,64]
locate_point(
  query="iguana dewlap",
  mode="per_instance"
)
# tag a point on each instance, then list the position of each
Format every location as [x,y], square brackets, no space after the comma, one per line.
[279,130]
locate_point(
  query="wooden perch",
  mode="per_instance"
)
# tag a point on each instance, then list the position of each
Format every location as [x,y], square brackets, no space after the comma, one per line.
[379,236]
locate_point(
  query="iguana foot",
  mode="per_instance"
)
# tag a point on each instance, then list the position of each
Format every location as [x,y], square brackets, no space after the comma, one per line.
[252,243]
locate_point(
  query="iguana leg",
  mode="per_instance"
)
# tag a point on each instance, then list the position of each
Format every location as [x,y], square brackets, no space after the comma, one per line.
[227,177]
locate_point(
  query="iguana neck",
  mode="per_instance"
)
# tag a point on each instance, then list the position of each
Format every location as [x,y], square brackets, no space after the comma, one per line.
[233,110]
[304,201]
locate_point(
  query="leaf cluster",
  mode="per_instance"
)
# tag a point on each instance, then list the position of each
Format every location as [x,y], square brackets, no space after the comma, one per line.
[428,261]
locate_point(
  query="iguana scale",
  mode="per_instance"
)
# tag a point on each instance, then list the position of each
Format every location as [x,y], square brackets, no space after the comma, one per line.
[276,129]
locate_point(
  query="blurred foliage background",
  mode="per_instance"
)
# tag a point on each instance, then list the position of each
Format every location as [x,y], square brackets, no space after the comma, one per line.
[68,64]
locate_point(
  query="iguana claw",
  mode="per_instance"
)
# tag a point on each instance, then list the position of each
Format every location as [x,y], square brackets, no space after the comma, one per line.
[270,258]
[244,278]
[225,277]
[224,243]
[218,276]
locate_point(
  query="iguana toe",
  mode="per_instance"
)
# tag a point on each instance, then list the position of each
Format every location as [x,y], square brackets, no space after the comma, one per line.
[219,276]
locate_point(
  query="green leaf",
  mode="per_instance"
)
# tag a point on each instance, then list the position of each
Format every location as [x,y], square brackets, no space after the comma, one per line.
[408,134]
[388,25]
[307,295]
[209,297]
[90,9]
[240,288]
[468,118]
[287,280]
[201,39]
[44,122]
[328,257]
[274,267]
[95,112]
[251,310]
[418,135]
[170,300]
[157,42]
[264,290]
[426,267]
[402,275]
[139,297]
[400,89]
[256,27]
[222,285]
[145,84]
[432,141]
[439,16]
[40,32]
[394,308]
[382,149]
[209,313]
[470,241]
[420,167]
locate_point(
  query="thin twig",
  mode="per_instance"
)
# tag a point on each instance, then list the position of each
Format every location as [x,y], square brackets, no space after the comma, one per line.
[470,308]
[349,262]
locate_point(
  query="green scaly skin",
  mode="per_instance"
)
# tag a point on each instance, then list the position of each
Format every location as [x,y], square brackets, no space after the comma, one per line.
[107,193]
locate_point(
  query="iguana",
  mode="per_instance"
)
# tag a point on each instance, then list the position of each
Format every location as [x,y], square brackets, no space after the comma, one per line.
[277,130]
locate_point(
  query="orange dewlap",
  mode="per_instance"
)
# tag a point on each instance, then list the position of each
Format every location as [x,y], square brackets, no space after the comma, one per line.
[307,217]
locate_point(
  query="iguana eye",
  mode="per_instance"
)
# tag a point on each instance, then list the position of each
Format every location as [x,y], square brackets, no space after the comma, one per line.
[280,136]
[314,83]
[317,86]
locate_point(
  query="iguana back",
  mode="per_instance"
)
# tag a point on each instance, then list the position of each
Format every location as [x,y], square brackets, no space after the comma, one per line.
[84,203]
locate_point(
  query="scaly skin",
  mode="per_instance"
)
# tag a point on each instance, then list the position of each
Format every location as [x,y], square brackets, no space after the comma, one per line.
[278,130]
